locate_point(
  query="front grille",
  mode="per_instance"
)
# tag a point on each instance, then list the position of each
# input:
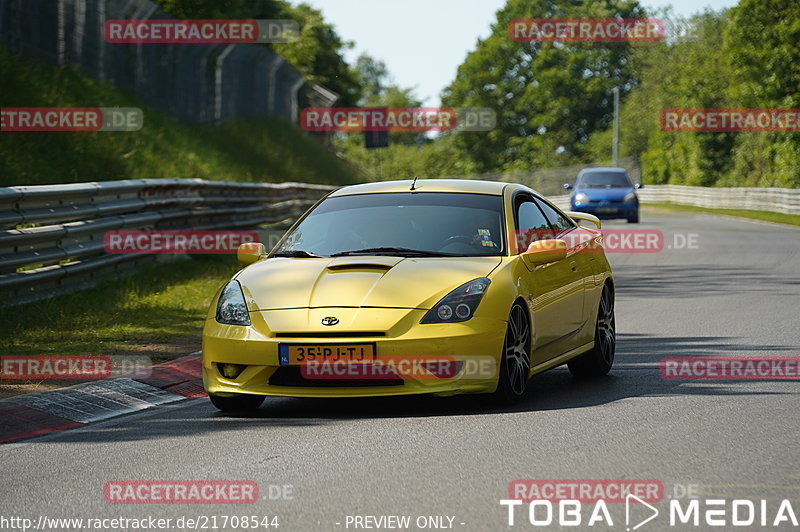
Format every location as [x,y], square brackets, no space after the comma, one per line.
[291,376]
[369,334]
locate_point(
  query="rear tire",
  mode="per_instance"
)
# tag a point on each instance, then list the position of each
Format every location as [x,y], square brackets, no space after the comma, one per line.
[515,362]
[599,360]
[237,403]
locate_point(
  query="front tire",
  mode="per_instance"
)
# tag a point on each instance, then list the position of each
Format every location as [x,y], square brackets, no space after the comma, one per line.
[237,403]
[599,360]
[515,363]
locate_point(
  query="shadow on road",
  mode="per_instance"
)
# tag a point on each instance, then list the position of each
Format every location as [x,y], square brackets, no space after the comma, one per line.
[636,374]
[675,282]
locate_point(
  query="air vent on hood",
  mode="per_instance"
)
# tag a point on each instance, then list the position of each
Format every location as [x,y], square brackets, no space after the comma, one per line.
[360,267]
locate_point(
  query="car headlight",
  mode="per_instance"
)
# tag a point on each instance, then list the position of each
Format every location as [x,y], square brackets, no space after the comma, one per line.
[458,305]
[630,198]
[580,197]
[231,307]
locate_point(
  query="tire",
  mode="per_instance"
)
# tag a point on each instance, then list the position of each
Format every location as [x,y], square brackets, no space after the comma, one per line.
[599,360]
[634,219]
[237,403]
[515,361]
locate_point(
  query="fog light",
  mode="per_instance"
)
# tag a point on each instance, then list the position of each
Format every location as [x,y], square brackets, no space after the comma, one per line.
[231,371]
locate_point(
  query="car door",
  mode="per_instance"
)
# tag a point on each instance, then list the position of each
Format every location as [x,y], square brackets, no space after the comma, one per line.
[553,291]
[578,259]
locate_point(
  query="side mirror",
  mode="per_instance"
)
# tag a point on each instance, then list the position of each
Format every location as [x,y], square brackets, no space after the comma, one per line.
[545,252]
[585,216]
[567,186]
[638,185]
[250,252]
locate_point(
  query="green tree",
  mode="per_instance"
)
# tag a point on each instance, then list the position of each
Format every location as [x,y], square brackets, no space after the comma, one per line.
[373,77]
[318,54]
[549,97]
[230,9]
[763,42]
[379,90]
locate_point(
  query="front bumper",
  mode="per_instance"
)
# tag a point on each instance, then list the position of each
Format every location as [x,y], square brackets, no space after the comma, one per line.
[256,347]
[607,210]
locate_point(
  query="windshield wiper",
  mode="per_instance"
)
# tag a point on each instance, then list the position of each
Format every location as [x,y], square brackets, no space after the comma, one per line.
[297,253]
[392,251]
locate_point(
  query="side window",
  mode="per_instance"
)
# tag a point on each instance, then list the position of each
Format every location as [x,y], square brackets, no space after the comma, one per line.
[531,223]
[560,223]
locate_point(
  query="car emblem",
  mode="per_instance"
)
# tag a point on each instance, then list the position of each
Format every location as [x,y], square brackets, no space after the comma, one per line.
[330,320]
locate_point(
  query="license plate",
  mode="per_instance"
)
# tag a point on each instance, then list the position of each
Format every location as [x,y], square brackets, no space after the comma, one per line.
[606,210]
[299,354]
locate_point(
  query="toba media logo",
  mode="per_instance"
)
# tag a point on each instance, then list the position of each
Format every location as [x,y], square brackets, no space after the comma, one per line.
[590,503]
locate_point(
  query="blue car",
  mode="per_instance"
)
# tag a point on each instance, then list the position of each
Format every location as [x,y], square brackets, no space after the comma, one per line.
[606,193]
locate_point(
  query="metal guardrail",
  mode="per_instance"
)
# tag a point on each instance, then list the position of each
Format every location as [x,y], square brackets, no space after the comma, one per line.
[51,236]
[783,200]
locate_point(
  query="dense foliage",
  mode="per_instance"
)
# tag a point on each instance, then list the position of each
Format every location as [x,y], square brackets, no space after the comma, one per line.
[554,100]
[318,54]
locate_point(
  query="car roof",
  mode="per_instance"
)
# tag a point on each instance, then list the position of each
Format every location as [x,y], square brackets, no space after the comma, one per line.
[426,185]
[602,169]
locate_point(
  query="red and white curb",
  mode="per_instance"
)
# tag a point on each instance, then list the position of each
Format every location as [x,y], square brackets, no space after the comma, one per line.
[26,416]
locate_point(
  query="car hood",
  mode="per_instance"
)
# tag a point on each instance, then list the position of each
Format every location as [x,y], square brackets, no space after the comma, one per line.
[392,282]
[606,194]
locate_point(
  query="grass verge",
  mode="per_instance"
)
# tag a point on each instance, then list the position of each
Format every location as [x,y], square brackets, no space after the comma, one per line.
[262,150]
[777,217]
[156,312]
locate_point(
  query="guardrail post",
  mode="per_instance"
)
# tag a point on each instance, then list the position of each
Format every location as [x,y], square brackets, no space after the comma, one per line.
[218,83]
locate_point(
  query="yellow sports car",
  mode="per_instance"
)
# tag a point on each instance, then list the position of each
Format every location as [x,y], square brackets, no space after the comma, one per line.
[400,287]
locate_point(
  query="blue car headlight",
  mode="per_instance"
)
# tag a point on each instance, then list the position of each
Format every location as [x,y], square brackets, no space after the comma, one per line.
[631,198]
[460,304]
[231,307]
[580,197]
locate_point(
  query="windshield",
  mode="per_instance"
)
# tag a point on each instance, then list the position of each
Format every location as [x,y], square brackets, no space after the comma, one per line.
[604,180]
[404,224]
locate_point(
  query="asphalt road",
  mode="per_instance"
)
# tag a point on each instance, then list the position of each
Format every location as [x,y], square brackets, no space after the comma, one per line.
[737,293]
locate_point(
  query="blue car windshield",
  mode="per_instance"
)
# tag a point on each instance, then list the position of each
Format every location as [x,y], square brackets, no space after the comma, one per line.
[604,180]
[401,224]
